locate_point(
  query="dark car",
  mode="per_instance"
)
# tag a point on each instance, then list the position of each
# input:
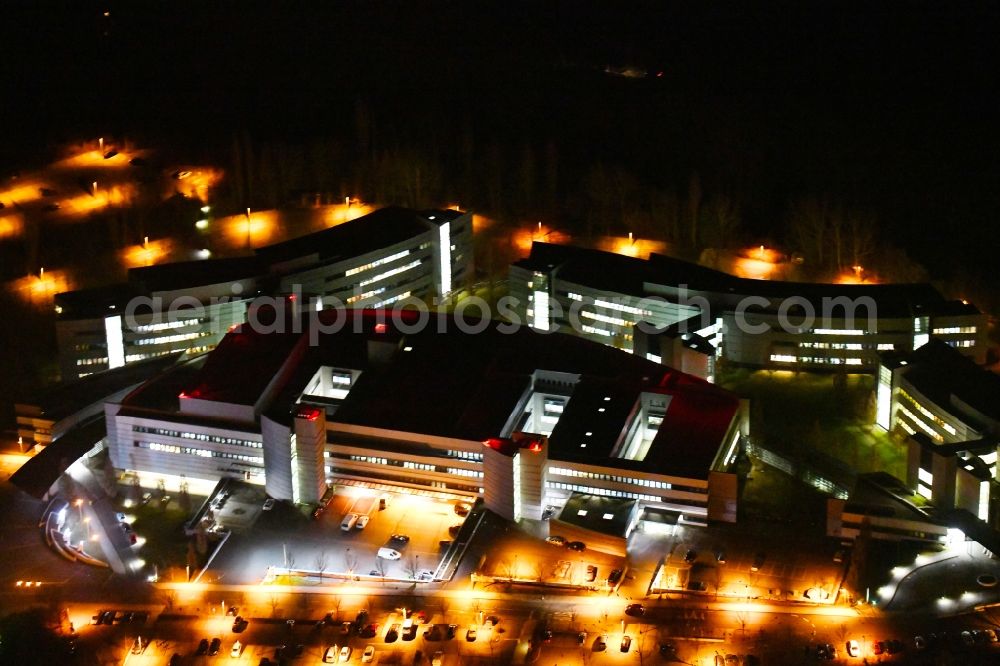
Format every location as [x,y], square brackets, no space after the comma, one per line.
[239,624]
[452,628]
[614,576]
[758,562]
[691,555]
[137,162]
[576,545]
[111,153]
[369,631]
[202,646]
[635,610]
[361,619]
[454,530]
[213,649]
[462,508]
[175,660]
[400,538]
[591,573]
[626,643]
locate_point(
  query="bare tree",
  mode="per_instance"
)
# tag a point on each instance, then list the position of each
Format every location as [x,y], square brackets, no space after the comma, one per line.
[350,561]
[411,567]
[322,563]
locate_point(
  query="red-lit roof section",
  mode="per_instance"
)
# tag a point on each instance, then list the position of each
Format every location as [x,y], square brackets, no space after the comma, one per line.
[308,413]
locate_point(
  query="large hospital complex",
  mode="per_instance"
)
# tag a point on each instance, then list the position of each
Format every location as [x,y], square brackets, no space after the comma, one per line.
[604,389]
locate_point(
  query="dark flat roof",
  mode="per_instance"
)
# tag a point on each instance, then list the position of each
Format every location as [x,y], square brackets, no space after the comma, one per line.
[37,475]
[96,302]
[187,274]
[606,270]
[377,230]
[940,371]
[466,386]
[66,399]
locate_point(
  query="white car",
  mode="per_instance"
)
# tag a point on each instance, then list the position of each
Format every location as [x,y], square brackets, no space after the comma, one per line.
[345,653]
[362,522]
[268,504]
[853,649]
[389,554]
[235,652]
[330,656]
[369,655]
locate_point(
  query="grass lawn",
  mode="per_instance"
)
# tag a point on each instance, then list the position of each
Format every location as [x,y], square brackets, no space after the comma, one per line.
[799,413]
[162,525]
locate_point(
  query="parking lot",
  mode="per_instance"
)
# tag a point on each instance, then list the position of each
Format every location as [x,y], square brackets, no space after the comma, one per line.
[316,548]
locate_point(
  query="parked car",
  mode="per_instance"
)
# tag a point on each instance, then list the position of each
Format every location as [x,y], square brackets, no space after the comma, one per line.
[853,649]
[591,573]
[577,546]
[614,576]
[388,554]
[237,649]
[470,634]
[362,522]
[215,646]
[601,643]
[347,524]
[330,656]
[758,562]
[581,638]
[368,655]
[400,538]
[202,647]
[626,643]
[556,540]
[462,508]
[392,634]
[635,610]
[268,504]
[690,556]
[345,653]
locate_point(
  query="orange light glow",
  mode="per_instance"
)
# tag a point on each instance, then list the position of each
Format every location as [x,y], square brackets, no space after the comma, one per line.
[22,193]
[11,226]
[39,289]
[756,269]
[198,181]
[147,254]
[523,237]
[261,228]
[481,223]
[340,213]
[94,158]
[630,246]
[115,195]
[856,277]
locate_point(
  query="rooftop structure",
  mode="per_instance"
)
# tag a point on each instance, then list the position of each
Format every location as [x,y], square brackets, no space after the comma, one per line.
[379,401]
[616,299]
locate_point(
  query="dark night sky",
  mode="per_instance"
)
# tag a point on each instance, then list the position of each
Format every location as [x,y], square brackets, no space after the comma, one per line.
[889,106]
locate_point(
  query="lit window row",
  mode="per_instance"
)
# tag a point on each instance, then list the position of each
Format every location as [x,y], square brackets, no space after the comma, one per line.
[367,294]
[457,471]
[550,485]
[377,262]
[562,471]
[597,331]
[826,360]
[393,299]
[927,413]
[201,453]
[936,436]
[574,297]
[391,272]
[953,330]
[617,321]
[167,325]
[92,361]
[628,309]
[370,459]
[165,339]
[421,466]
[962,343]
[465,455]
[831,345]
[132,358]
[837,331]
[198,437]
